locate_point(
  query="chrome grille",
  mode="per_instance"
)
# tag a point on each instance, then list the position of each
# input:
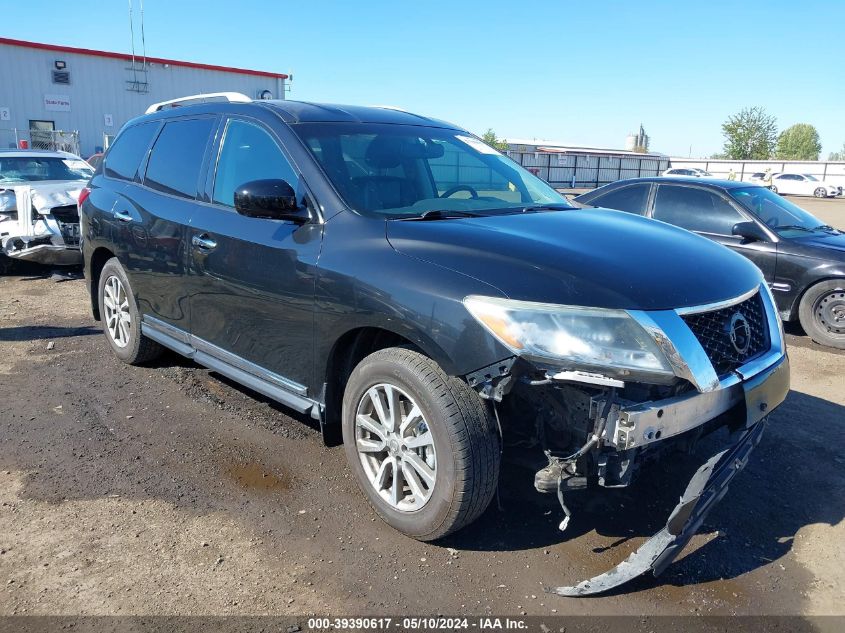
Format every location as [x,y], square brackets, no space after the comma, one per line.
[713,331]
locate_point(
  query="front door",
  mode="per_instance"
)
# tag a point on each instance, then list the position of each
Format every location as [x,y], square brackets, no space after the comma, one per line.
[709,214]
[253,289]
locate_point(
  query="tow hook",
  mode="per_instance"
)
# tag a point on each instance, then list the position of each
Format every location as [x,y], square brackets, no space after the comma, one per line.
[707,486]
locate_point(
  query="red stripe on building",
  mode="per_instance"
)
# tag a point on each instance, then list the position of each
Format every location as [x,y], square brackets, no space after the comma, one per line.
[127,57]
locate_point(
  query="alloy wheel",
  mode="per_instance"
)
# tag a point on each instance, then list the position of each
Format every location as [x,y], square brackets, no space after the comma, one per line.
[396,447]
[116,308]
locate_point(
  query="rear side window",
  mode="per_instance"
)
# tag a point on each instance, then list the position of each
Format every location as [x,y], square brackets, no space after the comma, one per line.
[249,153]
[695,210]
[631,199]
[176,159]
[128,150]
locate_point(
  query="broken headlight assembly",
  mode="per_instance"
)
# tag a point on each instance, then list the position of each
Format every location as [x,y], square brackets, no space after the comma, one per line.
[609,342]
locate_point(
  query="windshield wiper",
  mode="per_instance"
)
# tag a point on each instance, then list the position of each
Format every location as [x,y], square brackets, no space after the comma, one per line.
[441,214]
[794,227]
[826,227]
[560,206]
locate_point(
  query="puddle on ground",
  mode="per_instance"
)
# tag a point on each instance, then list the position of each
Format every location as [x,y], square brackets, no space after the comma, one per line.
[256,477]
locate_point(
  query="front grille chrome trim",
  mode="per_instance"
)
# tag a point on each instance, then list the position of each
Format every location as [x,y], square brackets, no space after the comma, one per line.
[719,305]
[687,355]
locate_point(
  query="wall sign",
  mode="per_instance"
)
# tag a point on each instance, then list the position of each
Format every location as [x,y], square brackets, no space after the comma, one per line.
[107,120]
[57,103]
[5,114]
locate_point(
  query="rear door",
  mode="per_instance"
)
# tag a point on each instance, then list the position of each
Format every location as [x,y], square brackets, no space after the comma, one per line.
[252,291]
[710,214]
[631,198]
[153,217]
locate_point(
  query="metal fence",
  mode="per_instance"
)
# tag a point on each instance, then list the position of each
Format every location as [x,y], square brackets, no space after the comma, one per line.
[585,170]
[830,171]
[52,140]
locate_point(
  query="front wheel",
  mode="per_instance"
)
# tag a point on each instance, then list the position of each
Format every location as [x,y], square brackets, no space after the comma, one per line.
[821,192]
[822,313]
[421,444]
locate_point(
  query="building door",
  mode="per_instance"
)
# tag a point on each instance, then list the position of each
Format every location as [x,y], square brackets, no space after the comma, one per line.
[41,134]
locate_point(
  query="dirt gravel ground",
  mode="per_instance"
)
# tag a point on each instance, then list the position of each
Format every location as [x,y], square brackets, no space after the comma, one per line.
[167,489]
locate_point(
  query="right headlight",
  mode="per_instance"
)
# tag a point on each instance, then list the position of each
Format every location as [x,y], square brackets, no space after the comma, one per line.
[607,341]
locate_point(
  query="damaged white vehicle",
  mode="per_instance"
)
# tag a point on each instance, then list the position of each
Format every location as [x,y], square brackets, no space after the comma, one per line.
[39,220]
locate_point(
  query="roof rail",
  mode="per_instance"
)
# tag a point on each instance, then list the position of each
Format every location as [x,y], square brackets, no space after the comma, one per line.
[231,97]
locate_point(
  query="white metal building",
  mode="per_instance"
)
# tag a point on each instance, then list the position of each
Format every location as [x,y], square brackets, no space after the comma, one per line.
[567,166]
[60,97]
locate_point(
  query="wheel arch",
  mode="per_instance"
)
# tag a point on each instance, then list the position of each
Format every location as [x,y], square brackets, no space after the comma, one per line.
[98,259]
[353,346]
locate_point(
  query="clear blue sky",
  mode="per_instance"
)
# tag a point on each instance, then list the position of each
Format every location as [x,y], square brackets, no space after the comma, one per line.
[580,72]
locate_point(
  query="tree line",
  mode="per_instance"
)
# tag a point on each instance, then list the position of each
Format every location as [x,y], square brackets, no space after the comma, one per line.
[752,134]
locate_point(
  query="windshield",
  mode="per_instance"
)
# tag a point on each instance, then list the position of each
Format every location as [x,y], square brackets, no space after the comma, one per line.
[781,215]
[404,171]
[15,169]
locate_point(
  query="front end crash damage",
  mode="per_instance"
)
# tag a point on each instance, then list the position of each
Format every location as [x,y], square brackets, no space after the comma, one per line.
[584,430]
[49,232]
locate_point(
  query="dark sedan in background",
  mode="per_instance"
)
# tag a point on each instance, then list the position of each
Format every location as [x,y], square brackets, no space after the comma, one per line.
[802,259]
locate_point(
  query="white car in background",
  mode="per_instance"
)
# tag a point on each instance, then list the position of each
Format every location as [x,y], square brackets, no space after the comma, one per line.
[759,178]
[39,221]
[695,172]
[803,185]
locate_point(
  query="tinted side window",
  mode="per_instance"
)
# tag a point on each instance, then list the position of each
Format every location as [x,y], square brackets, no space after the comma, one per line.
[631,199]
[176,158]
[695,210]
[128,149]
[249,153]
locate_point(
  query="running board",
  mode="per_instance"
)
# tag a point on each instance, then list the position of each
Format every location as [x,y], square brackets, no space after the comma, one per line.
[704,491]
[208,356]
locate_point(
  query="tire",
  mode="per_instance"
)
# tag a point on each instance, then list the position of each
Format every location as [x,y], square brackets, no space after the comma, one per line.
[822,313]
[462,435]
[820,192]
[7,265]
[127,343]
[773,188]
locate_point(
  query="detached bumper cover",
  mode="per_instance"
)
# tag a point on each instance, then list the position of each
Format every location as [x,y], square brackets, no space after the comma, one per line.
[709,484]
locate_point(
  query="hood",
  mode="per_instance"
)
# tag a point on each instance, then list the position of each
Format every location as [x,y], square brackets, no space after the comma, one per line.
[822,242]
[596,257]
[45,195]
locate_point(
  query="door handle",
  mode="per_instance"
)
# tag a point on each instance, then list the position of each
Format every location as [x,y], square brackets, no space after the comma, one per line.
[123,216]
[203,242]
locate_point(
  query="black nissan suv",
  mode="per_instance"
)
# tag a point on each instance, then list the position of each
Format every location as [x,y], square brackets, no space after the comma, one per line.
[401,281]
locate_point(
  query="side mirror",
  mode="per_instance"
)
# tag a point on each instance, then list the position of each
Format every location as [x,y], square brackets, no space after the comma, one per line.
[270,199]
[750,231]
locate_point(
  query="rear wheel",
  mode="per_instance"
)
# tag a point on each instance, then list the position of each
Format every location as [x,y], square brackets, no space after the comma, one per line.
[820,192]
[773,188]
[421,443]
[822,313]
[121,319]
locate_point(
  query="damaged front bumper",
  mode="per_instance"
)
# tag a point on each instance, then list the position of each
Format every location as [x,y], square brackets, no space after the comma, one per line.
[709,484]
[620,424]
[46,235]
